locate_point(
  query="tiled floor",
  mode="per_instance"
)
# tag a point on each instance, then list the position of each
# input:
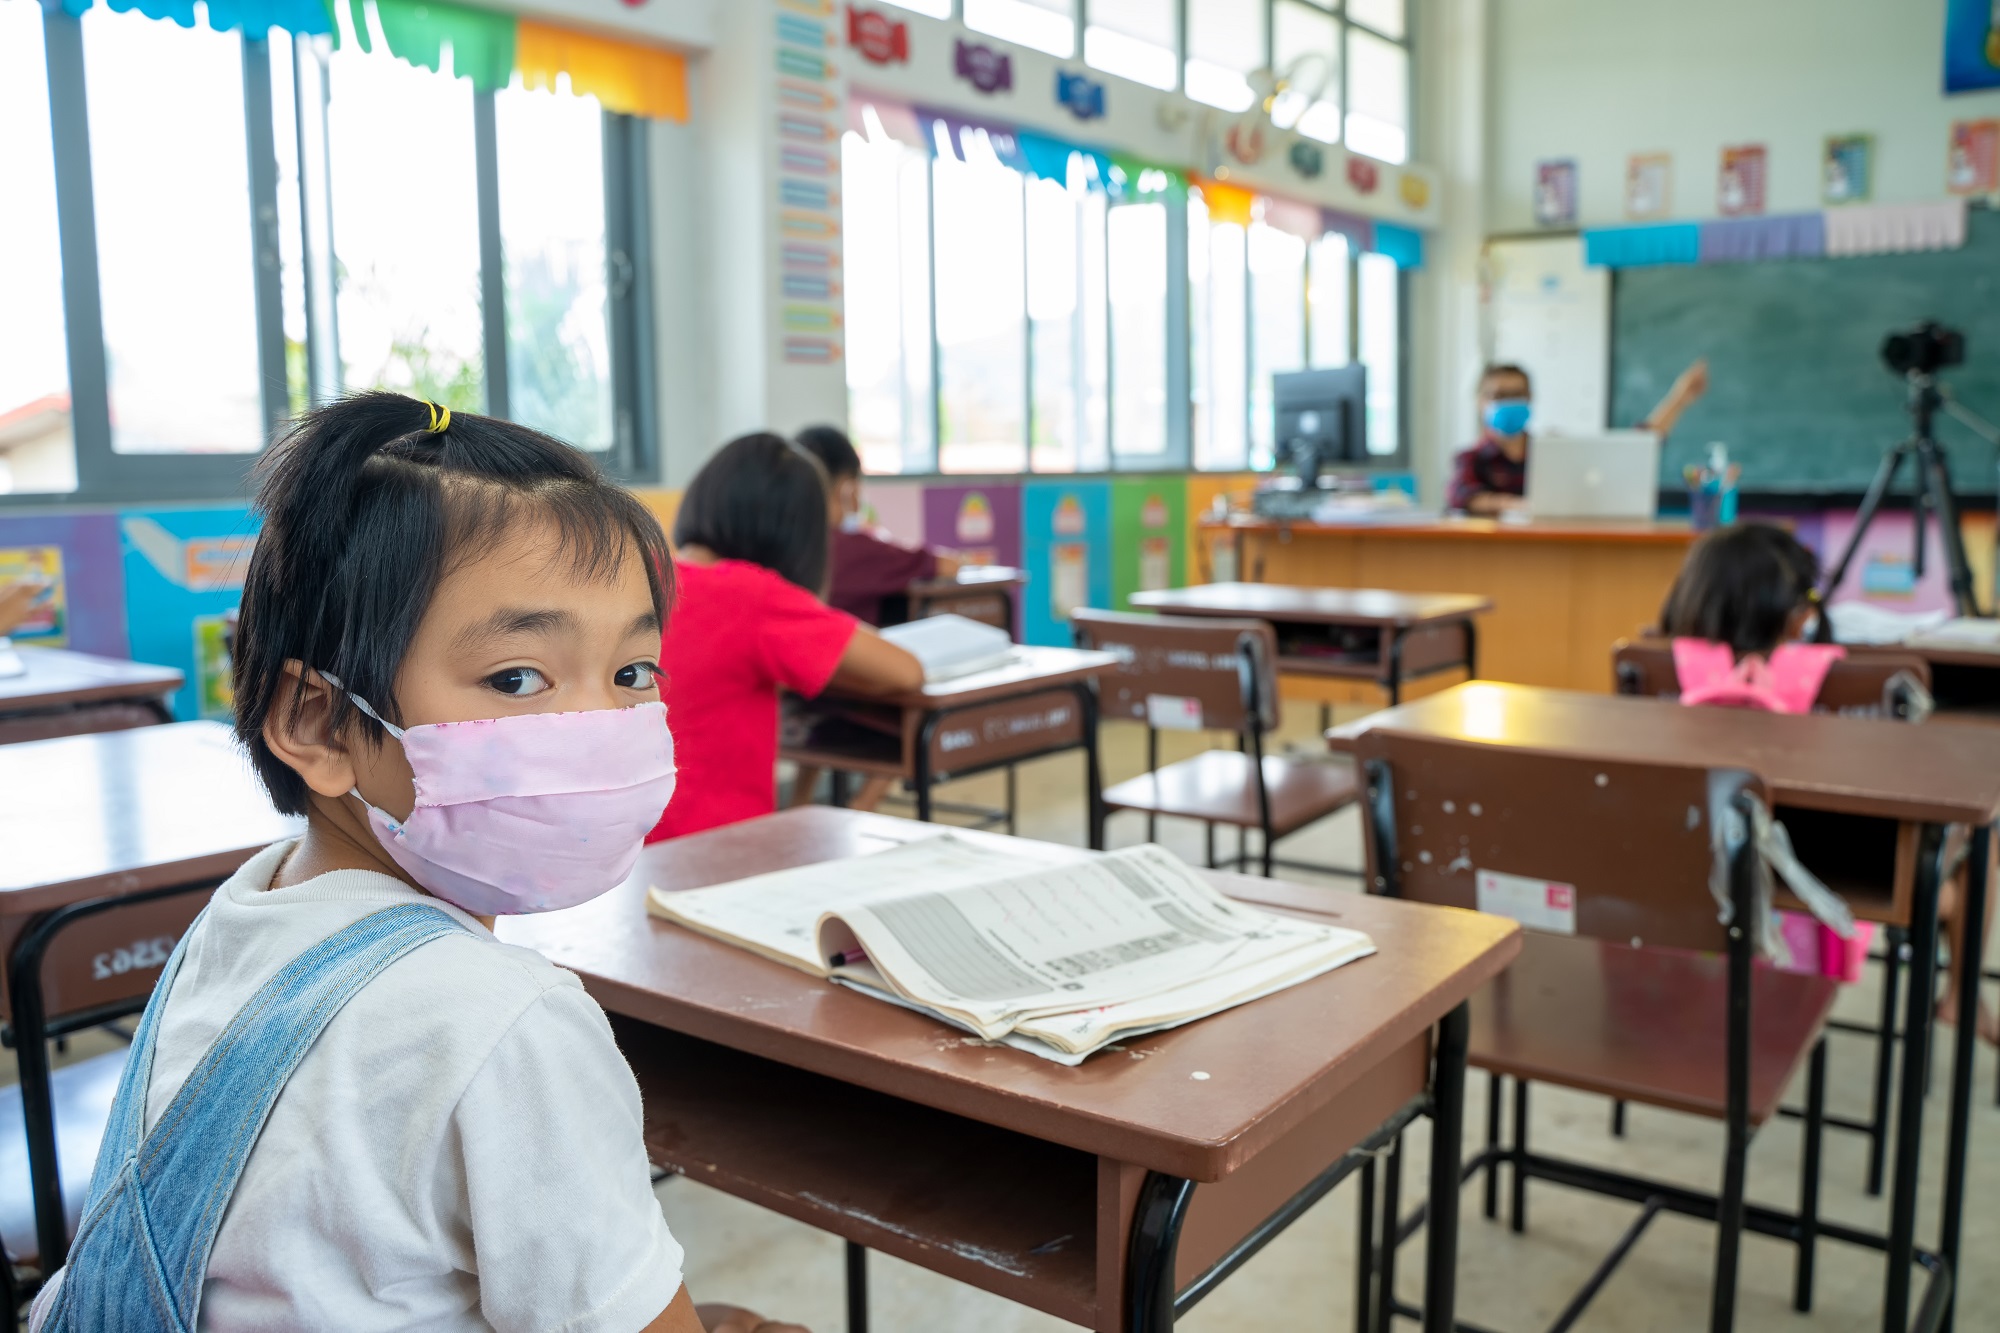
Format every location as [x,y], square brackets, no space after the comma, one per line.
[1304,1279]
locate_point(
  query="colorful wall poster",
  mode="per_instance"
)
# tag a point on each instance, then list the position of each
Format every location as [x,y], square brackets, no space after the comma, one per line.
[1555,192]
[1739,190]
[1066,536]
[1971,46]
[1847,168]
[1649,185]
[1972,165]
[895,507]
[1882,571]
[1148,535]
[184,570]
[982,522]
[84,609]
[809,118]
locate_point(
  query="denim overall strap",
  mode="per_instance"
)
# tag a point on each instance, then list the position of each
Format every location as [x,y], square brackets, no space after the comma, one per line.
[141,1255]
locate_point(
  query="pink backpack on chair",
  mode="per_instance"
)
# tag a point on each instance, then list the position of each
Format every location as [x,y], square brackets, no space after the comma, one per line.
[1786,683]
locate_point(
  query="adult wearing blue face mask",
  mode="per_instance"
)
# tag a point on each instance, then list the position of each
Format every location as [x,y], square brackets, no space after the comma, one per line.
[1491,477]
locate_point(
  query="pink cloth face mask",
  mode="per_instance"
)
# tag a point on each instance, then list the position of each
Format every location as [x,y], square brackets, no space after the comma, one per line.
[532,813]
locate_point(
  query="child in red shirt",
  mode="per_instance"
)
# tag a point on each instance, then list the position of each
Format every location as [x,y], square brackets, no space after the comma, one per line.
[750,558]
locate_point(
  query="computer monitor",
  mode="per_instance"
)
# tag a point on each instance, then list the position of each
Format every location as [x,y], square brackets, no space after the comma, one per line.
[1319,419]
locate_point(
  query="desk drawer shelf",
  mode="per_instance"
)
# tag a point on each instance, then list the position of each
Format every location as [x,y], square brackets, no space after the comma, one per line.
[1010,1214]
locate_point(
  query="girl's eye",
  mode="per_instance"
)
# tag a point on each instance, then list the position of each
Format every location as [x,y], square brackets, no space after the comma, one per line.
[638,676]
[518,681]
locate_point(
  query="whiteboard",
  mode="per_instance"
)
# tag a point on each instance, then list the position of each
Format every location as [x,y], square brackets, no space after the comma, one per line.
[1551,315]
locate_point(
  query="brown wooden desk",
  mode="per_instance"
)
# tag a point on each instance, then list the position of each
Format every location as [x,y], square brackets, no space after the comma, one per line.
[986,593]
[1095,1193]
[1041,703]
[143,821]
[1370,634]
[66,694]
[1562,589]
[1866,800]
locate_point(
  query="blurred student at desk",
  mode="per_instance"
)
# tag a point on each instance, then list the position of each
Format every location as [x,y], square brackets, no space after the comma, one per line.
[1491,477]
[867,566]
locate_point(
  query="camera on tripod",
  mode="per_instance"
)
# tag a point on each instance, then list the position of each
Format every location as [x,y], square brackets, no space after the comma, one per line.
[1924,350]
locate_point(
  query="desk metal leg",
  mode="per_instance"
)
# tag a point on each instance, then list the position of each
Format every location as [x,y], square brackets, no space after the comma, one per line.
[925,735]
[1447,1137]
[1471,650]
[1917,1013]
[1392,1229]
[1093,774]
[1364,1253]
[1394,684]
[1896,946]
[1156,1238]
[1972,930]
[857,1288]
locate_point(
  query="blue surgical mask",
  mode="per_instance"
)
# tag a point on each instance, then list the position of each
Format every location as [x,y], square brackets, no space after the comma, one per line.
[1508,416]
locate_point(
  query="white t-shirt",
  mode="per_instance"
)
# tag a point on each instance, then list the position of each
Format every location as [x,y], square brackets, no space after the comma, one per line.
[460,1150]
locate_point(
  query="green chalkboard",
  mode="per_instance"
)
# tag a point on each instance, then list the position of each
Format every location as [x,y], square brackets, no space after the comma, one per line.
[1797,387]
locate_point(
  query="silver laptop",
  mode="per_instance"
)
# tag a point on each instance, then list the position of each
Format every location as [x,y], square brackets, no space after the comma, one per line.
[1613,475]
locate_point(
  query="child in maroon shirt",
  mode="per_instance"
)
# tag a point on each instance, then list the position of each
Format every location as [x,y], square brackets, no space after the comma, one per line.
[869,570]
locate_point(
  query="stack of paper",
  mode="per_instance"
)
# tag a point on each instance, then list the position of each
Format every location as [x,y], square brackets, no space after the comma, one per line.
[1965,633]
[950,646]
[1035,947]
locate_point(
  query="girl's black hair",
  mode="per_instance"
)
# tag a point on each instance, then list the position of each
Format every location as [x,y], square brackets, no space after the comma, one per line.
[835,452]
[1741,586]
[366,506]
[761,499]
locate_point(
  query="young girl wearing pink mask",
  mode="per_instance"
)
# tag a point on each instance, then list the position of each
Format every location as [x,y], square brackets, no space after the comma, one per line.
[348,1105]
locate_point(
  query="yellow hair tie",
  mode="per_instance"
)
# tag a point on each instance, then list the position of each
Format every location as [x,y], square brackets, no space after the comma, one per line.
[440,417]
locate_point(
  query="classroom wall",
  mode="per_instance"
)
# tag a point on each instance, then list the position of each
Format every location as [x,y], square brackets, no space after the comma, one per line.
[1598,82]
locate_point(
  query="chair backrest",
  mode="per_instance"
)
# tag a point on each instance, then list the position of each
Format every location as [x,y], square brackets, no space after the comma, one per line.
[1193,672]
[1620,852]
[1883,682]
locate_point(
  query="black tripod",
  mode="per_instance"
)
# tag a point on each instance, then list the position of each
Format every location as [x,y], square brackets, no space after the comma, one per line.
[1933,493]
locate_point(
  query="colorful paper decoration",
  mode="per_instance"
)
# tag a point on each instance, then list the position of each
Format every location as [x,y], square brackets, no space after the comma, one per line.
[1971,46]
[1228,203]
[631,80]
[85,610]
[1649,185]
[1744,240]
[880,39]
[1739,189]
[1973,164]
[1307,158]
[1555,192]
[482,41]
[986,69]
[1413,189]
[1882,229]
[257,17]
[1405,245]
[1633,247]
[1359,230]
[1292,217]
[1363,174]
[1082,95]
[1847,168]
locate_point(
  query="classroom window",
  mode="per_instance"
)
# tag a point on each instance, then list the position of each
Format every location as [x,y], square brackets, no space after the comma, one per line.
[405,229]
[170,176]
[1137,235]
[1277,326]
[937,9]
[1380,307]
[1329,310]
[1225,44]
[885,192]
[1219,341]
[291,223]
[1378,96]
[1045,25]
[1134,39]
[981,320]
[552,233]
[1384,16]
[1067,318]
[1305,50]
[37,448]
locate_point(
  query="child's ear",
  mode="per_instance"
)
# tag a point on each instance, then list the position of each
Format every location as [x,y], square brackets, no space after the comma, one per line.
[297,729]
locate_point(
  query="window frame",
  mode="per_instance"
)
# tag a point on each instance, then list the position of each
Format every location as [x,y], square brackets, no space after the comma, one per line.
[105,476]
